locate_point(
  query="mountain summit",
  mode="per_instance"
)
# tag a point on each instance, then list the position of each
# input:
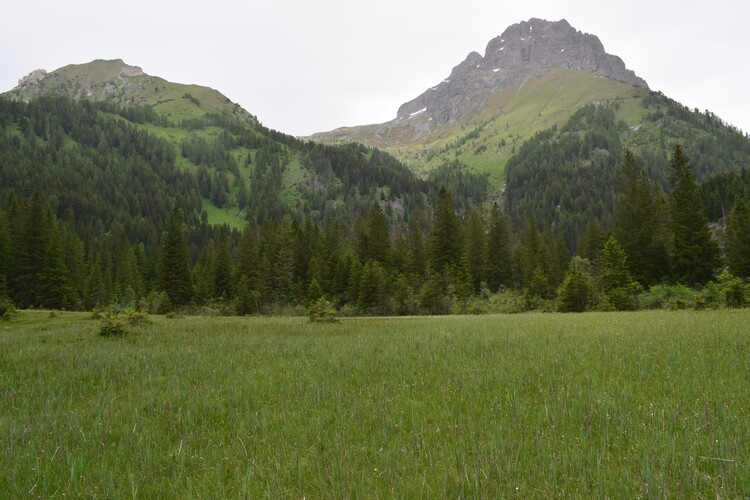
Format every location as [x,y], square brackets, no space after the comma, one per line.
[118,82]
[523,52]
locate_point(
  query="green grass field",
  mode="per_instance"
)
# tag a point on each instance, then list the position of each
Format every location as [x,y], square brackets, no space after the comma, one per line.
[619,405]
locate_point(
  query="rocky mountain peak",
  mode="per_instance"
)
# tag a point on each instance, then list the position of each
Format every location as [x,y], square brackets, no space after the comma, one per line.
[524,51]
[96,79]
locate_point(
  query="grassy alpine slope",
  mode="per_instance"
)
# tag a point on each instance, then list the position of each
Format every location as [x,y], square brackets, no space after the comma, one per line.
[603,404]
[486,141]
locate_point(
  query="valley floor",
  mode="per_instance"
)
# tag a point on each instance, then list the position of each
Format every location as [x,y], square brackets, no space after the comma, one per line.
[620,405]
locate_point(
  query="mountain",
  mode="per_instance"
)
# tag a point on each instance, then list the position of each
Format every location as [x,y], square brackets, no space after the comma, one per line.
[532,77]
[524,52]
[117,82]
[121,146]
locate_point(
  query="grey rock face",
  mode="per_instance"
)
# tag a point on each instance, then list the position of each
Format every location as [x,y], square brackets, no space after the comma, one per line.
[524,51]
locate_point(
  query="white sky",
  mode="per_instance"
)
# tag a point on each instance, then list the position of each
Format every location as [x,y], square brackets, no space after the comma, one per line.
[305,67]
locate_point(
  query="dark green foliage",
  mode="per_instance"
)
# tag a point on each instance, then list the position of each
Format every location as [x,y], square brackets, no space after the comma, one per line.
[222,267]
[738,240]
[565,177]
[476,251]
[162,304]
[373,238]
[721,191]
[592,240]
[358,229]
[373,292]
[641,225]
[107,171]
[174,270]
[695,253]
[52,284]
[247,299]
[30,251]
[7,308]
[433,298]
[446,234]
[576,293]
[498,259]
[617,284]
[468,189]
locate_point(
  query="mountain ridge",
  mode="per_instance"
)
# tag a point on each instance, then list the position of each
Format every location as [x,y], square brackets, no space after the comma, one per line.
[524,51]
[118,82]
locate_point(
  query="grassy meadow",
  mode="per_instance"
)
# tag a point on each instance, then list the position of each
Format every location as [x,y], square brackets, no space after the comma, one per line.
[621,405]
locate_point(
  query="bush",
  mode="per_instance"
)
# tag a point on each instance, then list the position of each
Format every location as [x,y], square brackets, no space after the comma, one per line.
[163,304]
[7,308]
[734,291]
[112,325]
[135,317]
[321,311]
[711,297]
[671,297]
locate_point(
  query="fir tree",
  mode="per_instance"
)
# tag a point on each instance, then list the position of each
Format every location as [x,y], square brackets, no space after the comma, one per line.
[30,252]
[641,225]
[372,288]
[738,240]
[174,267]
[52,285]
[5,253]
[446,234]
[617,283]
[695,253]
[499,269]
[222,267]
[476,252]
[417,261]
[576,293]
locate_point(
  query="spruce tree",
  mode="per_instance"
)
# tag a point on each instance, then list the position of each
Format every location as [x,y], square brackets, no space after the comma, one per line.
[373,239]
[641,225]
[695,253]
[417,260]
[372,297]
[476,252]
[576,293]
[615,278]
[52,285]
[446,234]
[222,267]
[174,268]
[738,240]
[283,262]
[30,251]
[5,253]
[499,267]
[247,257]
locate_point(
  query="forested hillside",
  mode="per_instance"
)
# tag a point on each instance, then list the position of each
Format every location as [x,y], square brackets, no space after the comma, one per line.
[104,204]
[568,176]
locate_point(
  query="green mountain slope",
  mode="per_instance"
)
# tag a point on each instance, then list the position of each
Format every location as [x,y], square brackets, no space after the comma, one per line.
[486,141]
[237,169]
[117,82]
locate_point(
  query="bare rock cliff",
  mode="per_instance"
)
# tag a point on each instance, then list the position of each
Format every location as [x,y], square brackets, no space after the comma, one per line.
[524,51]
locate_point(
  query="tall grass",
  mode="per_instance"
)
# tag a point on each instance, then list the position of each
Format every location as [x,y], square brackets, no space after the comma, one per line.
[535,405]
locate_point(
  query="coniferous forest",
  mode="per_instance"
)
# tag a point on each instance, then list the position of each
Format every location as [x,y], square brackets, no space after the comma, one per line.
[96,211]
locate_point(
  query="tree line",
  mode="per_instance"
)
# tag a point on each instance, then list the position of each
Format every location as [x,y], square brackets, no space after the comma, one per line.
[439,263]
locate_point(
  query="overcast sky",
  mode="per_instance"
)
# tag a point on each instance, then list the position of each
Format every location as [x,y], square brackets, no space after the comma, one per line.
[305,67]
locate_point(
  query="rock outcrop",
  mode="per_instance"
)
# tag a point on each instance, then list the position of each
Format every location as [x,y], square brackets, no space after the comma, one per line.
[524,51]
[97,79]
